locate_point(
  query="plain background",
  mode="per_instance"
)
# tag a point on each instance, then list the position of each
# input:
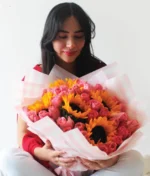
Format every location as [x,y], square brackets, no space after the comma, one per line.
[122,36]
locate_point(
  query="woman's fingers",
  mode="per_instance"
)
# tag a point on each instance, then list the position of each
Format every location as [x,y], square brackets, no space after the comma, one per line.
[65,162]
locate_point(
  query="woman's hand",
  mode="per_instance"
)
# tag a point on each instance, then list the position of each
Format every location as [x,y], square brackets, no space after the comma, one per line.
[99,164]
[47,153]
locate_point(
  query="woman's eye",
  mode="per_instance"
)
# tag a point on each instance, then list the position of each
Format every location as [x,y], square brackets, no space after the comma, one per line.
[62,37]
[79,37]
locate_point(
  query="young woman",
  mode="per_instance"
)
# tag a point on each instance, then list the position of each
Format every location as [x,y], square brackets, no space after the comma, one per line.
[66,42]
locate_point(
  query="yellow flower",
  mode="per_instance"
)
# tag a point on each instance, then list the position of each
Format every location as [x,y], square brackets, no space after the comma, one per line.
[71,82]
[37,106]
[57,83]
[109,128]
[75,99]
[96,95]
[46,99]
[110,102]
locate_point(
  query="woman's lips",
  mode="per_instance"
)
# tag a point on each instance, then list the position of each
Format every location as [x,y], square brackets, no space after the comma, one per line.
[69,53]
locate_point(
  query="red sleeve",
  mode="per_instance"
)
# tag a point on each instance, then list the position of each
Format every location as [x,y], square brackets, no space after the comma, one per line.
[29,142]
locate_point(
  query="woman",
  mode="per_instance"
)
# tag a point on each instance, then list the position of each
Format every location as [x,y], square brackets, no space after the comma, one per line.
[66,42]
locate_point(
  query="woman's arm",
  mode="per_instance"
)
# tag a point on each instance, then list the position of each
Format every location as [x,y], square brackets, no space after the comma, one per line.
[41,152]
[21,130]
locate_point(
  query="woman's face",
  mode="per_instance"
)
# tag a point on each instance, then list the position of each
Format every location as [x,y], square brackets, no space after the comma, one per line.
[69,41]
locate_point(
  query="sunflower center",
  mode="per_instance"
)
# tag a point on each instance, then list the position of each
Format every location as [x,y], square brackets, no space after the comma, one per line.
[105,105]
[75,107]
[98,134]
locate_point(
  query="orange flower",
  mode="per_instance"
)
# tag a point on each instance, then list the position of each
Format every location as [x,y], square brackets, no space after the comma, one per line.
[109,128]
[37,106]
[75,99]
[46,99]
[57,83]
[109,101]
[68,82]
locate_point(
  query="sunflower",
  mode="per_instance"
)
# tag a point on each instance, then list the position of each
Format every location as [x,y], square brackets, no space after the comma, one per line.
[46,99]
[108,101]
[37,106]
[57,83]
[68,82]
[81,108]
[71,82]
[96,95]
[100,130]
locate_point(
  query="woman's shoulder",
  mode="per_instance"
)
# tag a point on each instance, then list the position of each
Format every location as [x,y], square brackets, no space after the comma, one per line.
[98,63]
[95,63]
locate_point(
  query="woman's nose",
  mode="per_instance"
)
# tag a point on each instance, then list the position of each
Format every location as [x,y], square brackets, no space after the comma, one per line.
[70,43]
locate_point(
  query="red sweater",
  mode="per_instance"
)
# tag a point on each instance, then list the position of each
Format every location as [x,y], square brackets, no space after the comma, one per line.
[31,141]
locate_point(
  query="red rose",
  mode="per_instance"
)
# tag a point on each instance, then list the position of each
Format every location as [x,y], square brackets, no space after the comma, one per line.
[132,125]
[64,123]
[80,126]
[104,112]
[33,116]
[103,147]
[43,114]
[85,96]
[117,139]
[123,131]
[92,114]
[54,112]
[98,87]
[112,146]
[95,104]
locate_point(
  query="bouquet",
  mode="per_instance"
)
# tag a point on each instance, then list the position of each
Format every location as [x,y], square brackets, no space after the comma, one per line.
[94,119]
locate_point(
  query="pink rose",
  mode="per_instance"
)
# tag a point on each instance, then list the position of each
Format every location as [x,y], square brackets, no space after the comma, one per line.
[85,96]
[117,140]
[64,123]
[92,114]
[133,125]
[98,87]
[25,109]
[66,129]
[120,118]
[44,91]
[95,104]
[56,90]
[87,87]
[76,89]
[104,112]
[85,133]
[43,114]
[103,147]
[63,88]
[80,126]
[33,116]
[80,82]
[112,146]
[123,131]
[54,112]
[56,101]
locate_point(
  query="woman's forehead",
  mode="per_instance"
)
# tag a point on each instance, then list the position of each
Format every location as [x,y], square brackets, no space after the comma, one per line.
[71,25]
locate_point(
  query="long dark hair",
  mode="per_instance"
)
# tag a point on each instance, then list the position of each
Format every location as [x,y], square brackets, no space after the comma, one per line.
[53,24]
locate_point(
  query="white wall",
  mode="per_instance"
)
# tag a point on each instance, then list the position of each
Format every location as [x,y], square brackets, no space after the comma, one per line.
[122,35]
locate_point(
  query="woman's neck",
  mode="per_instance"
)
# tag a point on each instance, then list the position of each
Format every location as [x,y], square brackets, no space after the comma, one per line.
[70,67]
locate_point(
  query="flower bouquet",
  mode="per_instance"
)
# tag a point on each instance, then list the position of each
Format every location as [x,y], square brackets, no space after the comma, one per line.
[95,117]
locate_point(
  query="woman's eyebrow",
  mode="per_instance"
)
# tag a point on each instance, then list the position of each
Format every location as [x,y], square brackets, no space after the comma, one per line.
[64,31]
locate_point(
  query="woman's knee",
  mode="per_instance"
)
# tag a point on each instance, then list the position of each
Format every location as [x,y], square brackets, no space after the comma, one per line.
[10,158]
[136,159]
